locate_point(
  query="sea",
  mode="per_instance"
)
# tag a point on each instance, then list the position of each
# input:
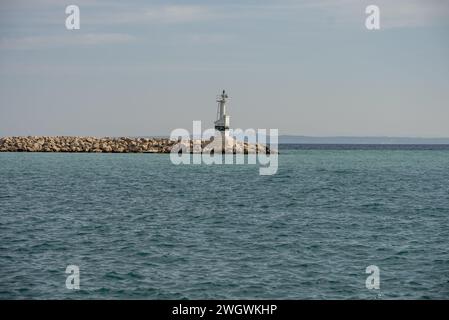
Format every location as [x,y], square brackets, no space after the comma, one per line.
[136,226]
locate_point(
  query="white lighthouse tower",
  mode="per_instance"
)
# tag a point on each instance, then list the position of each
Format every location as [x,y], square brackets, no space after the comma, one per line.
[222,122]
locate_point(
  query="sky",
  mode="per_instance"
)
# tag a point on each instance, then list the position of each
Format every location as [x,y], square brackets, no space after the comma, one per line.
[142,68]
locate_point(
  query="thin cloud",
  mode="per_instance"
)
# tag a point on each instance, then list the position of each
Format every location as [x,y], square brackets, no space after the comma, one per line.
[394,14]
[90,39]
[178,13]
[155,14]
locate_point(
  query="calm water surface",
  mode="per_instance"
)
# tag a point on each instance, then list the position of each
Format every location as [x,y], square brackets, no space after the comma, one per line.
[139,227]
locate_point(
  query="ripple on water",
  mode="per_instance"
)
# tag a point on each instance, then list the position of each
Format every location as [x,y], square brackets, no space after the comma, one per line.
[141,228]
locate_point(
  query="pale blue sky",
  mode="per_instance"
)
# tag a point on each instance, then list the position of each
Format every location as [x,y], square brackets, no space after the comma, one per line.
[148,67]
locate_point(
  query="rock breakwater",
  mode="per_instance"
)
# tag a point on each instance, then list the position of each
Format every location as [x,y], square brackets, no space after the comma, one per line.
[121,145]
[85,144]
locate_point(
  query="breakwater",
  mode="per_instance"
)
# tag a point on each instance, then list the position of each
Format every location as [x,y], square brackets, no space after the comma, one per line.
[123,145]
[85,144]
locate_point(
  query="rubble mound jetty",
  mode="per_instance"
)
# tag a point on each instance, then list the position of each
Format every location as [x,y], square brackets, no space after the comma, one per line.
[125,145]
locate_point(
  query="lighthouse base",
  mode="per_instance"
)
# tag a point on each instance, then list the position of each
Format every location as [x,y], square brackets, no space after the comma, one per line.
[222,143]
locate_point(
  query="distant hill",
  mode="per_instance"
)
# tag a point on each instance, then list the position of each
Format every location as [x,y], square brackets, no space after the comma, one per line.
[359,140]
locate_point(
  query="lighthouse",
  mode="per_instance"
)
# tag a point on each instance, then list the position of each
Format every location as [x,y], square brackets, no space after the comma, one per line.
[222,122]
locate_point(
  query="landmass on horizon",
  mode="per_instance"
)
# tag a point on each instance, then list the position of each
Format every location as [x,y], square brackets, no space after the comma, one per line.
[294,139]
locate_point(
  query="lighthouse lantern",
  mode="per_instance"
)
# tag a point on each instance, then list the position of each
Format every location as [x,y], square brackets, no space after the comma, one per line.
[222,122]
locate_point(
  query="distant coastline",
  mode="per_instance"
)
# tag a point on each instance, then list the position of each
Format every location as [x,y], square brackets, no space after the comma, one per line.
[292,139]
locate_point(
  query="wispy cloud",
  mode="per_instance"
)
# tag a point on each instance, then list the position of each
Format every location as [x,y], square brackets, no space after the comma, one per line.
[414,13]
[178,13]
[112,14]
[153,14]
[394,14]
[90,39]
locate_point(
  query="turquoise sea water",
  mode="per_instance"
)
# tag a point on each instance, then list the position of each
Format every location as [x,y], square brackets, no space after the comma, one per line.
[139,227]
